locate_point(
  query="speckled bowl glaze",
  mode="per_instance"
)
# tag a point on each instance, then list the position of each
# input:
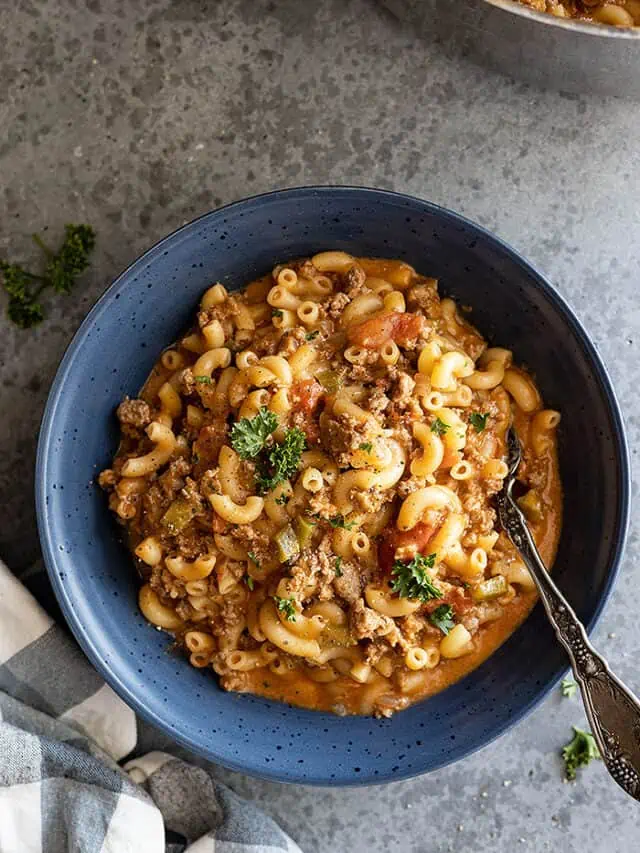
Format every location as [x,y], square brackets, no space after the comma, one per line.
[146,308]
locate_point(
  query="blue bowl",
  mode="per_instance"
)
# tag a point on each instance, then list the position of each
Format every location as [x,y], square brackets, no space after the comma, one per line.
[146,308]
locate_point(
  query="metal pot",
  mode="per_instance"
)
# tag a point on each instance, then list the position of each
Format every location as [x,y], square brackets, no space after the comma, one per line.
[536,47]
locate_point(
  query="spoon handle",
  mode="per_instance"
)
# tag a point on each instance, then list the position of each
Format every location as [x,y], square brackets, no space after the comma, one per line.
[612,709]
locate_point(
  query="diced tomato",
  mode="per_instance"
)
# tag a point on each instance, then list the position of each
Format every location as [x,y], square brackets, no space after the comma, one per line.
[306,395]
[219,524]
[394,326]
[420,536]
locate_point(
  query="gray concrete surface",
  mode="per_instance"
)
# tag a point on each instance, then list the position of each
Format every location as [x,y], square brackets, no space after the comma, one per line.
[137,116]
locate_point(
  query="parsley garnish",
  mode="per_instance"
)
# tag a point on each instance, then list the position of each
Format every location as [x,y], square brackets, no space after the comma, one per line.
[581,750]
[282,460]
[253,559]
[366,446]
[339,571]
[248,435]
[249,581]
[283,500]
[276,312]
[568,687]
[440,427]
[286,606]
[311,335]
[203,380]
[62,269]
[442,617]
[478,421]
[338,521]
[411,580]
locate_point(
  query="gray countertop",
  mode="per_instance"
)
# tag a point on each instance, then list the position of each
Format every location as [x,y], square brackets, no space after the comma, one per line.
[138,116]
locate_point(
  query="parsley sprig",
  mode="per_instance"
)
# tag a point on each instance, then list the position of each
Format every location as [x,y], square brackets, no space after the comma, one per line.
[442,617]
[478,421]
[440,427]
[248,435]
[412,580]
[61,272]
[579,752]
[286,606]
[280,461]
[568,687]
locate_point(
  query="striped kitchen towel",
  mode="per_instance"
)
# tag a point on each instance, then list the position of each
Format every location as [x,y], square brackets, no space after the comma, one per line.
[70,776]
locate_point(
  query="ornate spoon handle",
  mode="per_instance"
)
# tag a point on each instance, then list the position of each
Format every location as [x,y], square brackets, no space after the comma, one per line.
[612,709]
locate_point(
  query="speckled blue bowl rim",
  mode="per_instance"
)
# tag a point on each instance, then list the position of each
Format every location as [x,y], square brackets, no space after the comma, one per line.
[67,603]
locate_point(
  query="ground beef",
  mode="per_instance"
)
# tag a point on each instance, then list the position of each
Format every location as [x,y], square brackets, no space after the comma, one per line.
[134,416]
[291,341]
[336,305]
[424,296]
[255,541]
[107,479]
[481,517]
[367,623]
[354,280]
[341,436]
[378,401]
[348,586]
[403,388]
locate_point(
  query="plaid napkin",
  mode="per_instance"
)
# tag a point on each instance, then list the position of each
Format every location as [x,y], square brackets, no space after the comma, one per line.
[70,775]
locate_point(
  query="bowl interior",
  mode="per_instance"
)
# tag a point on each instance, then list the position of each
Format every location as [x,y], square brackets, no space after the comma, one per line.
[146,308]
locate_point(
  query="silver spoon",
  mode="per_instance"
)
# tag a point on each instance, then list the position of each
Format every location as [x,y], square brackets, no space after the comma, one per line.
[612,709]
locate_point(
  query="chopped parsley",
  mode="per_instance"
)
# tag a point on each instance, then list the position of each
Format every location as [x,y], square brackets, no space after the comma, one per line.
[579,752]
[412,580]
[281,460]
[249,435]
[249,582]
[440,427]
[203,380]
[338,521]
[568,687]
[478,421]
[286,606]
[311,335]
[283,500]
[339,571]
[366,446]
[254,559]
[277,312]
[442,617]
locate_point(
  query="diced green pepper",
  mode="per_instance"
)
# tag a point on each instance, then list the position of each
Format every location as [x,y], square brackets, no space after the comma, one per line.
[531,505]
[304,531]
[178,516]
[287,542]
[330,380]
[491,588]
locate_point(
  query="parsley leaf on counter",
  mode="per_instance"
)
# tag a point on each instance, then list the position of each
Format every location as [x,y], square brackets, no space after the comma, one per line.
[568,687]
[412,580]
[581,750]
[440,427]
[62,270]
[442,617]
[248,435]
[478,421]
[286,606]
